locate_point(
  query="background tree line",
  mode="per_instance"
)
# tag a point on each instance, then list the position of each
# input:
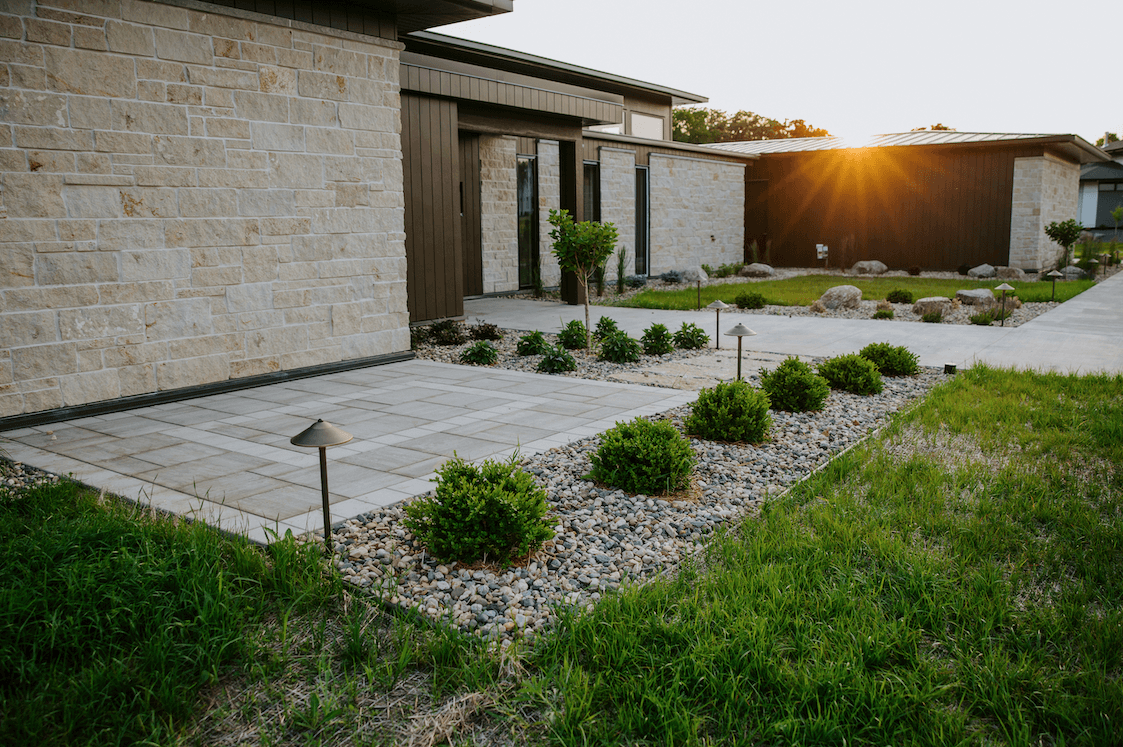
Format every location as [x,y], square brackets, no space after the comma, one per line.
[701,125]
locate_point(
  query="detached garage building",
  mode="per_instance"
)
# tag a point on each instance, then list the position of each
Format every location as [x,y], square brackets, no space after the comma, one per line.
[931,199]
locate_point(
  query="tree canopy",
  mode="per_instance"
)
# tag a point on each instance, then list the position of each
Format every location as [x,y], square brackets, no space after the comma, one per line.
[934,127]
[1109,137]
[701,125]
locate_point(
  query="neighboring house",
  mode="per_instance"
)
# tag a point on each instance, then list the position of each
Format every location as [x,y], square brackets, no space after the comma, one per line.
[931,199]
[196,197]
[1101,191]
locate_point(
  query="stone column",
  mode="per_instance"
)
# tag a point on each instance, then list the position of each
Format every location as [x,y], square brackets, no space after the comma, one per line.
[499,213]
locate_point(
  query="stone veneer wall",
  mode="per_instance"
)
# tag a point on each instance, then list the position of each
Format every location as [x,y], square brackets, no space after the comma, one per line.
[618,203]
[191,197]
[697,212]
[1046,189]
[499,213]
[549,198]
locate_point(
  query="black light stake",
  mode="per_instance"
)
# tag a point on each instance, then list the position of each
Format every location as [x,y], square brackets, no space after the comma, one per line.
[1054,276]
[320,435]
[718,306]
[1004,287]
[740,331]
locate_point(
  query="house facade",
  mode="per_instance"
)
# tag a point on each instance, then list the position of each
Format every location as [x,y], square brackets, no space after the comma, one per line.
[1101,192]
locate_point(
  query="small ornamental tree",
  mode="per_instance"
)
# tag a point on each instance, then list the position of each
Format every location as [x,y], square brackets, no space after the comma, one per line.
[1065,234]
[581,248]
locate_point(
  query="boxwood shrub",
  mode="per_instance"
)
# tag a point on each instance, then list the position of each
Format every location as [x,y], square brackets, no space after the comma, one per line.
[730,411]
[643,457]
[891,360]
[852,373]
[794,387]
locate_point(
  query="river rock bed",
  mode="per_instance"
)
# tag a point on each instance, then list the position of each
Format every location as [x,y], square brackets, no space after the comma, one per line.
[605,537]
[17,478]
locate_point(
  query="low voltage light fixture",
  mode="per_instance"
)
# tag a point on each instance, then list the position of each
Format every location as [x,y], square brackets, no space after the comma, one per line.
[1004,287]
[740,331]
[1055,276]
[320,435]
[718,306]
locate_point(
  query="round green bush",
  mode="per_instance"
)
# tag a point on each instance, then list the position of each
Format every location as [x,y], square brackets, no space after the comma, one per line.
[485,331]
[730,411]
[883,314]
[491,512]
[794,387]
[572,336]
[482,353]
[691,337]
[605,326]
[657,340]
[556,359]
[852,373]
[750,300]
[533,343]
[643,457]
[619,348]
[891,360]
[899,296]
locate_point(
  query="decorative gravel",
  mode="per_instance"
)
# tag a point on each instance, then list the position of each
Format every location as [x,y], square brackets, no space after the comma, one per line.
[606,537]
[15,478]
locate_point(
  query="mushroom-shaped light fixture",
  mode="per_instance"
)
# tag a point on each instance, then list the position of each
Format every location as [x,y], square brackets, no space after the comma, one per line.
[718,306]
[1004,287]
[740,331]
[320,435]
[1055,276]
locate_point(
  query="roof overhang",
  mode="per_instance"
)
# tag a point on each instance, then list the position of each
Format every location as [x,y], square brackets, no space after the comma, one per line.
[415,15]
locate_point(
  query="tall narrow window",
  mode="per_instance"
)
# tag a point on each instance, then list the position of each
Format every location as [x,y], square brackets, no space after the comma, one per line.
[643,227]
[591,191]
[527,197]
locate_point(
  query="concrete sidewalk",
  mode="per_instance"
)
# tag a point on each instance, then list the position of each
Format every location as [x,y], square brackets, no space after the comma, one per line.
[1083,335]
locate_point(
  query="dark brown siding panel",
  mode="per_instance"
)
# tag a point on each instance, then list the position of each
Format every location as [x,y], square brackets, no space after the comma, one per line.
[432,212]
[470,224]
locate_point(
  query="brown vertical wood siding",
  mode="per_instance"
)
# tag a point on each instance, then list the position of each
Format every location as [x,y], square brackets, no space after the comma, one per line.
[336,15]
[470,218]
[431,171]
[935,208]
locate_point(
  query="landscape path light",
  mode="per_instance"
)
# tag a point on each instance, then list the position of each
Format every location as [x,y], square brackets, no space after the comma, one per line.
[718,306]
[1004,287]
[320,435]
[740,331]
[1093,264]
[1054,276]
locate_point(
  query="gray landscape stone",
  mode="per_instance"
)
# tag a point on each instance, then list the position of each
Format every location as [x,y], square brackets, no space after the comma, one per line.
[841,297]
[1072,272]
[1010,273]
[694,274]
[869,267]
[982,271]
[975,296]
[930,304]
[756,270]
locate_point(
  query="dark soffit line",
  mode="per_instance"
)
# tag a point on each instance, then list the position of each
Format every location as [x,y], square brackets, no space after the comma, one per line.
[91,409]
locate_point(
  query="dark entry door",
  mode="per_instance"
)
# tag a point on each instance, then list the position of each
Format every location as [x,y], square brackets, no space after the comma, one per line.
[470,235]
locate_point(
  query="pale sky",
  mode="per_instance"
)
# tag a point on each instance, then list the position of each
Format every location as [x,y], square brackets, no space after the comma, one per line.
[855,68]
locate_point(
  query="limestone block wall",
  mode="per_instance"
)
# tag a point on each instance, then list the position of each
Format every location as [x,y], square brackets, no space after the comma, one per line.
[191,197]
[618,203]
[549,198]
[697,212]
[1046,189]
[499,213]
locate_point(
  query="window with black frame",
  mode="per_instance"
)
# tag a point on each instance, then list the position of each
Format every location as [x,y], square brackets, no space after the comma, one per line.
[527,198]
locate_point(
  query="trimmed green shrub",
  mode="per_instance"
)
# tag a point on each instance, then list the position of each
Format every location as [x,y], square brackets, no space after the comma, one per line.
[532,344]
[635,281]
[418,336]
[605,326]
[446,332]
[691,337]
[852,373]
[619,348]
[983,318]
[891,360]
[933,317]
[573,336]
[793,386]
[724,271]
[899,296]
[914,270]
[485,331]
[730,411]
[658,340]
[481,353]
[556,359]
[643,457]
[883,314]
[671,276]
[750,300]
[491,512]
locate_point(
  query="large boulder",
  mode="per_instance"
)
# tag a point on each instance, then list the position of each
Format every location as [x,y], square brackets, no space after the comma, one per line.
[1072,272]
[975,296]
[869,267]
[932,303]
[982,271]
[694,274]
[1010,273]
[756,270]
[841,297]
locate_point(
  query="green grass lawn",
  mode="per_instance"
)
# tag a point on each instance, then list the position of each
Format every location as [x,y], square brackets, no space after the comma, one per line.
[955,581]
[805,289]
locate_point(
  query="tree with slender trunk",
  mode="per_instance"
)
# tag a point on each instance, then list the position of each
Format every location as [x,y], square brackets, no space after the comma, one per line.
[581,248]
